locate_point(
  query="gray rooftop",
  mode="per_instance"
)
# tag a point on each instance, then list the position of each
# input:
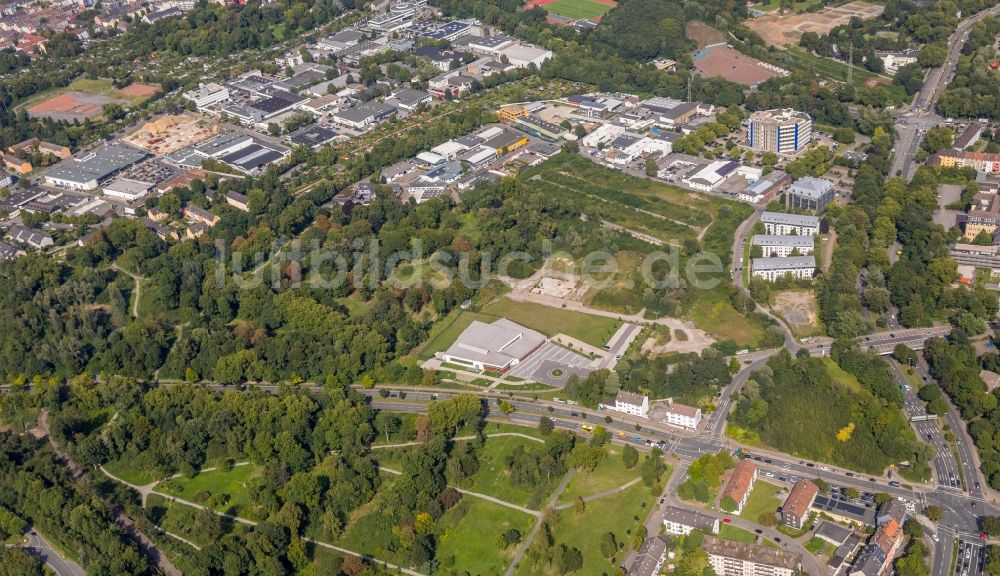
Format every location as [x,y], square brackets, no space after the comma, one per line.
[496,344]
[98,164]
[833,532]
[626,397]
[789,263]
[221,142]
[689,518]
[365,111]
[410,97]
[789,219]
[782,240]
[810,187]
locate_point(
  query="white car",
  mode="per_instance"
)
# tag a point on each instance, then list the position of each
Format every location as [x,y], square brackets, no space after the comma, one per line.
[824,468]
[769,474]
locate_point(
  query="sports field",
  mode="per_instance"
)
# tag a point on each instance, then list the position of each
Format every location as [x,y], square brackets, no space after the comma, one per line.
[574,9]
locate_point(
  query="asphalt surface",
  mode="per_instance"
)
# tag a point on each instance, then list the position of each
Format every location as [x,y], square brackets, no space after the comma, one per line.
[911,124]
[37,545]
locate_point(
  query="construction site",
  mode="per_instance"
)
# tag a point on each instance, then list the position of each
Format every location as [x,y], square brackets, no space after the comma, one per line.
[170,133]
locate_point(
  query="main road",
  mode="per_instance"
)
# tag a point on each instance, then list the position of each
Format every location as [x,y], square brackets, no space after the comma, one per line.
[911,123]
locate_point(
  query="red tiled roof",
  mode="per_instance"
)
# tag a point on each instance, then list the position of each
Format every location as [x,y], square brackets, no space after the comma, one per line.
[800,498]
[740,481]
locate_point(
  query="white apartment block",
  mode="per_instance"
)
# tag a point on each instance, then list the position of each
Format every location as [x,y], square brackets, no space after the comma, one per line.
[782,224]
[732,558]
[771,269]
[783,246]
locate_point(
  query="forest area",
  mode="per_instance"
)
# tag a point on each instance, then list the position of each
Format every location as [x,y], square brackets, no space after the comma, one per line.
[779,405]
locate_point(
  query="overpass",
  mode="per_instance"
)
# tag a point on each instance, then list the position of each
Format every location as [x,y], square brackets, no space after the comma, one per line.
[883,343]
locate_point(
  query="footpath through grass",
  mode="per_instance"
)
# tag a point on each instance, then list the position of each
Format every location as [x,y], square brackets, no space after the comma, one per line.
[470,535]
[617,514]
[233,484]
[609,474]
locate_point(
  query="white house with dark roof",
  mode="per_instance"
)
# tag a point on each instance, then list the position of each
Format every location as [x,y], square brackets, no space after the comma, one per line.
[682,415]
[34,238]
[631,403]
[681,522]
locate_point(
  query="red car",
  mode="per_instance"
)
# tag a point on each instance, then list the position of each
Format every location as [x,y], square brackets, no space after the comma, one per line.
[727,520]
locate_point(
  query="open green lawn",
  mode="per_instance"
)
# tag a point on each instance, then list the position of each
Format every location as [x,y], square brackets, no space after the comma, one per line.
[762,500]
[712,312]
[594,330]
[617,514]
[470,535]
[730,532]
[129,472]
[815,544]
[233,483]
[609,474]
[493,477]
[846,379]
[577,9]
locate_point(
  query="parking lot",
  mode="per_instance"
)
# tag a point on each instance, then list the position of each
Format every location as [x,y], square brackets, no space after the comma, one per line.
[552,364]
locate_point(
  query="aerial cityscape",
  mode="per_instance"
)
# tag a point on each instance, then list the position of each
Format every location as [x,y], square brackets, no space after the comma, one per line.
[500,287]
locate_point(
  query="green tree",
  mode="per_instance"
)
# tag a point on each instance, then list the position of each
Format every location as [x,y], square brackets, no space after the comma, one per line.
[545,425]
[630,456]
[651,168]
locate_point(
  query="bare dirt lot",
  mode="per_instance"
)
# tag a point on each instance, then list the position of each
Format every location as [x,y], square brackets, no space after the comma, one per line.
[798,308]
[703,34]
[781,30]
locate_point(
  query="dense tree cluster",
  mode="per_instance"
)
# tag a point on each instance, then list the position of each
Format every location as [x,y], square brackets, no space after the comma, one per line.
[705,477]
[973,91]
[39,489]
[868,433]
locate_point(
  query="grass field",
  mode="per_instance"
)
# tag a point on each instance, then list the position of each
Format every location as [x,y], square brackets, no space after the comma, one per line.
[730,532]
[833,69]
[126,470]
[577,9]
[609,474]
[232,483]
[470,535]
[712,312]
[493,477]
[594,330]
[762,500]
[848,380]
[617,514]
